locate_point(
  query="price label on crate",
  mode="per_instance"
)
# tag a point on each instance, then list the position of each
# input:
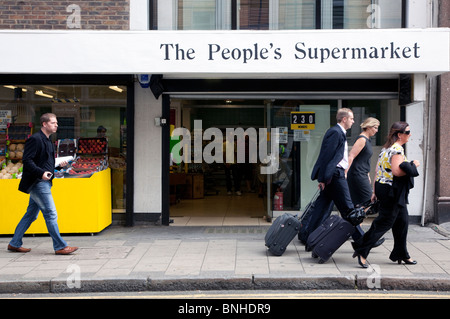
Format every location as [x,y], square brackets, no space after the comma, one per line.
[5,118]
[303,120]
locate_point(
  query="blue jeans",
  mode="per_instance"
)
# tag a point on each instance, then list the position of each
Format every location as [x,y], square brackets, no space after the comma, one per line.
[40,200]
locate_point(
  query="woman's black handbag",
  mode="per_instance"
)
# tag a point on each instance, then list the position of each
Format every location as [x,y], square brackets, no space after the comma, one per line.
[357,215]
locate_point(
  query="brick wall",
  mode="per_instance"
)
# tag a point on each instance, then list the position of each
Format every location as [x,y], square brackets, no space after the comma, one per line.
[61,15]
[443,121]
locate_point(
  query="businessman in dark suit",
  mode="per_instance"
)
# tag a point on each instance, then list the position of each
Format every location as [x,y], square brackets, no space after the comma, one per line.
[329,171]
[38,166]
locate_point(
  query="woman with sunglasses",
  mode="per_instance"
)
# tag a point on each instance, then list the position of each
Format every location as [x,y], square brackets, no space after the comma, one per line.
[393,180]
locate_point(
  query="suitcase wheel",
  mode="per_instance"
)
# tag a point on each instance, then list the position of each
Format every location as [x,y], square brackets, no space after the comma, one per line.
[321,261]
[313,255]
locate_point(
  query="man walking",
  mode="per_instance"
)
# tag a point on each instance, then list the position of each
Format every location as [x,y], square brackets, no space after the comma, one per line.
[329,171]
[38,165]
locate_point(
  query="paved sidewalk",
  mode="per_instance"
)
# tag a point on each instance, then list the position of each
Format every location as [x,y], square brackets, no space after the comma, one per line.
[144,258]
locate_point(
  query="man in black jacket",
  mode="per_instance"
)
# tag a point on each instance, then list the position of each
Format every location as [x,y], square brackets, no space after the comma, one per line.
[329,171]
[38,165]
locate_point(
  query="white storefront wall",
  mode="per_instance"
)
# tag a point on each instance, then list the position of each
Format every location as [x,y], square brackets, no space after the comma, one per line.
[232,54]
[326,53]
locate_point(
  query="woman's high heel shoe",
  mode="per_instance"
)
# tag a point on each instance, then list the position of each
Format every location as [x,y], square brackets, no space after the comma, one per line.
[407,261]
[364,265]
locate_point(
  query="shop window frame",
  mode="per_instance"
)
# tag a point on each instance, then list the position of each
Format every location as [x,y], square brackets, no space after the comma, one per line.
[261,89]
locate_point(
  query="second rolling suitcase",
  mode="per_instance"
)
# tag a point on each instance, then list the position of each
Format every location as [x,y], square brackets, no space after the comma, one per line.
[328,237]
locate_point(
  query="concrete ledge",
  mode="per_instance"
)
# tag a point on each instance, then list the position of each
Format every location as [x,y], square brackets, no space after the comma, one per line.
[305,283]
[404,283]
[29,287]
[172,284]
[100,285]
[439,229]
[234,283]
[442,210]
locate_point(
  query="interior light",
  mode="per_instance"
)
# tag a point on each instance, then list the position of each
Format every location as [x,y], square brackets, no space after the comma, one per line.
[116,88]
[12,87]
[40,93]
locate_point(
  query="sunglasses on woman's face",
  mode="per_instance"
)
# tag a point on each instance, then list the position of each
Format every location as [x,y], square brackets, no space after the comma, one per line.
[407,132]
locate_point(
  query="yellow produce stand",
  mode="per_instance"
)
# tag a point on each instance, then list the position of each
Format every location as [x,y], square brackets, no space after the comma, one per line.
[83,205]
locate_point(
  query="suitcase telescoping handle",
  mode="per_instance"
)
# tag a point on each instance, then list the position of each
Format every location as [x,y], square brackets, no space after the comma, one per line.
[308,207]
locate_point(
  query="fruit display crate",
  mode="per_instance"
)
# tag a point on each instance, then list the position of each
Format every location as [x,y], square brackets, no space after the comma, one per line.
[15,150]
[67,147]
[85,166]
[92,146]
[19,132]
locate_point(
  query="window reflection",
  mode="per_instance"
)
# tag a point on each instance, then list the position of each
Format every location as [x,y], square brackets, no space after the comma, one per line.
[288,14]
[83,111]
[197,15]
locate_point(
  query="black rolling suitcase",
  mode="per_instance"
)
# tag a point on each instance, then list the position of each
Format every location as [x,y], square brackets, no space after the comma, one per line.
[334,231]
[328,237]
[283,230]
[281,233]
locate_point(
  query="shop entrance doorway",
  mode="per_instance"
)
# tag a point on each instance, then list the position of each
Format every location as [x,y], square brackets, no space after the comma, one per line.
[209,192]
[217,193]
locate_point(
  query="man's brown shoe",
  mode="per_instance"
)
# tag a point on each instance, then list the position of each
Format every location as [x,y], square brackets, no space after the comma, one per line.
[66,250]
[18,249]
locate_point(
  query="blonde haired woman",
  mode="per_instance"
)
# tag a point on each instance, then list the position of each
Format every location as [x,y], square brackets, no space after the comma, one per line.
[358,177]
[358,174]
[359,161]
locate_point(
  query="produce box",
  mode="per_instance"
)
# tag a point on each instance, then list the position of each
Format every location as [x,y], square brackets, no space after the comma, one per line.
[86,165]
[19,132]
[95,145]
[67,147]
[91,159]
[15,150]
[194,186]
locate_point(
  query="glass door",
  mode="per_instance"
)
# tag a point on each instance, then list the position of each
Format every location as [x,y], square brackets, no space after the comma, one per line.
[289,187]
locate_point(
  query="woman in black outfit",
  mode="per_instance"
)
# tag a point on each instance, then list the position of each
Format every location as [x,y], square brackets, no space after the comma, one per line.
[358,174]
[358,178]
[394,179]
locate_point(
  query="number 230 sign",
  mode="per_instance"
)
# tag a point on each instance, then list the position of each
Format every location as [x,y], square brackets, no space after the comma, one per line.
[303,120]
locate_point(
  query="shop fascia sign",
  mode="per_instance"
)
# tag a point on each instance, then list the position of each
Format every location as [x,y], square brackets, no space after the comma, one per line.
[249,52]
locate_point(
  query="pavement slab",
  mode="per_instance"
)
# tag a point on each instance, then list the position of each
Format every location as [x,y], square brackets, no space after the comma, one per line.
[149,257]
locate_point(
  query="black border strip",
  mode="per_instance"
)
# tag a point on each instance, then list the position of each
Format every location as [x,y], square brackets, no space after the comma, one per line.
[366,86]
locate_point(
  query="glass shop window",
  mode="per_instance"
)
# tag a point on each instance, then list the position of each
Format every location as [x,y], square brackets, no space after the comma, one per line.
[91,126]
